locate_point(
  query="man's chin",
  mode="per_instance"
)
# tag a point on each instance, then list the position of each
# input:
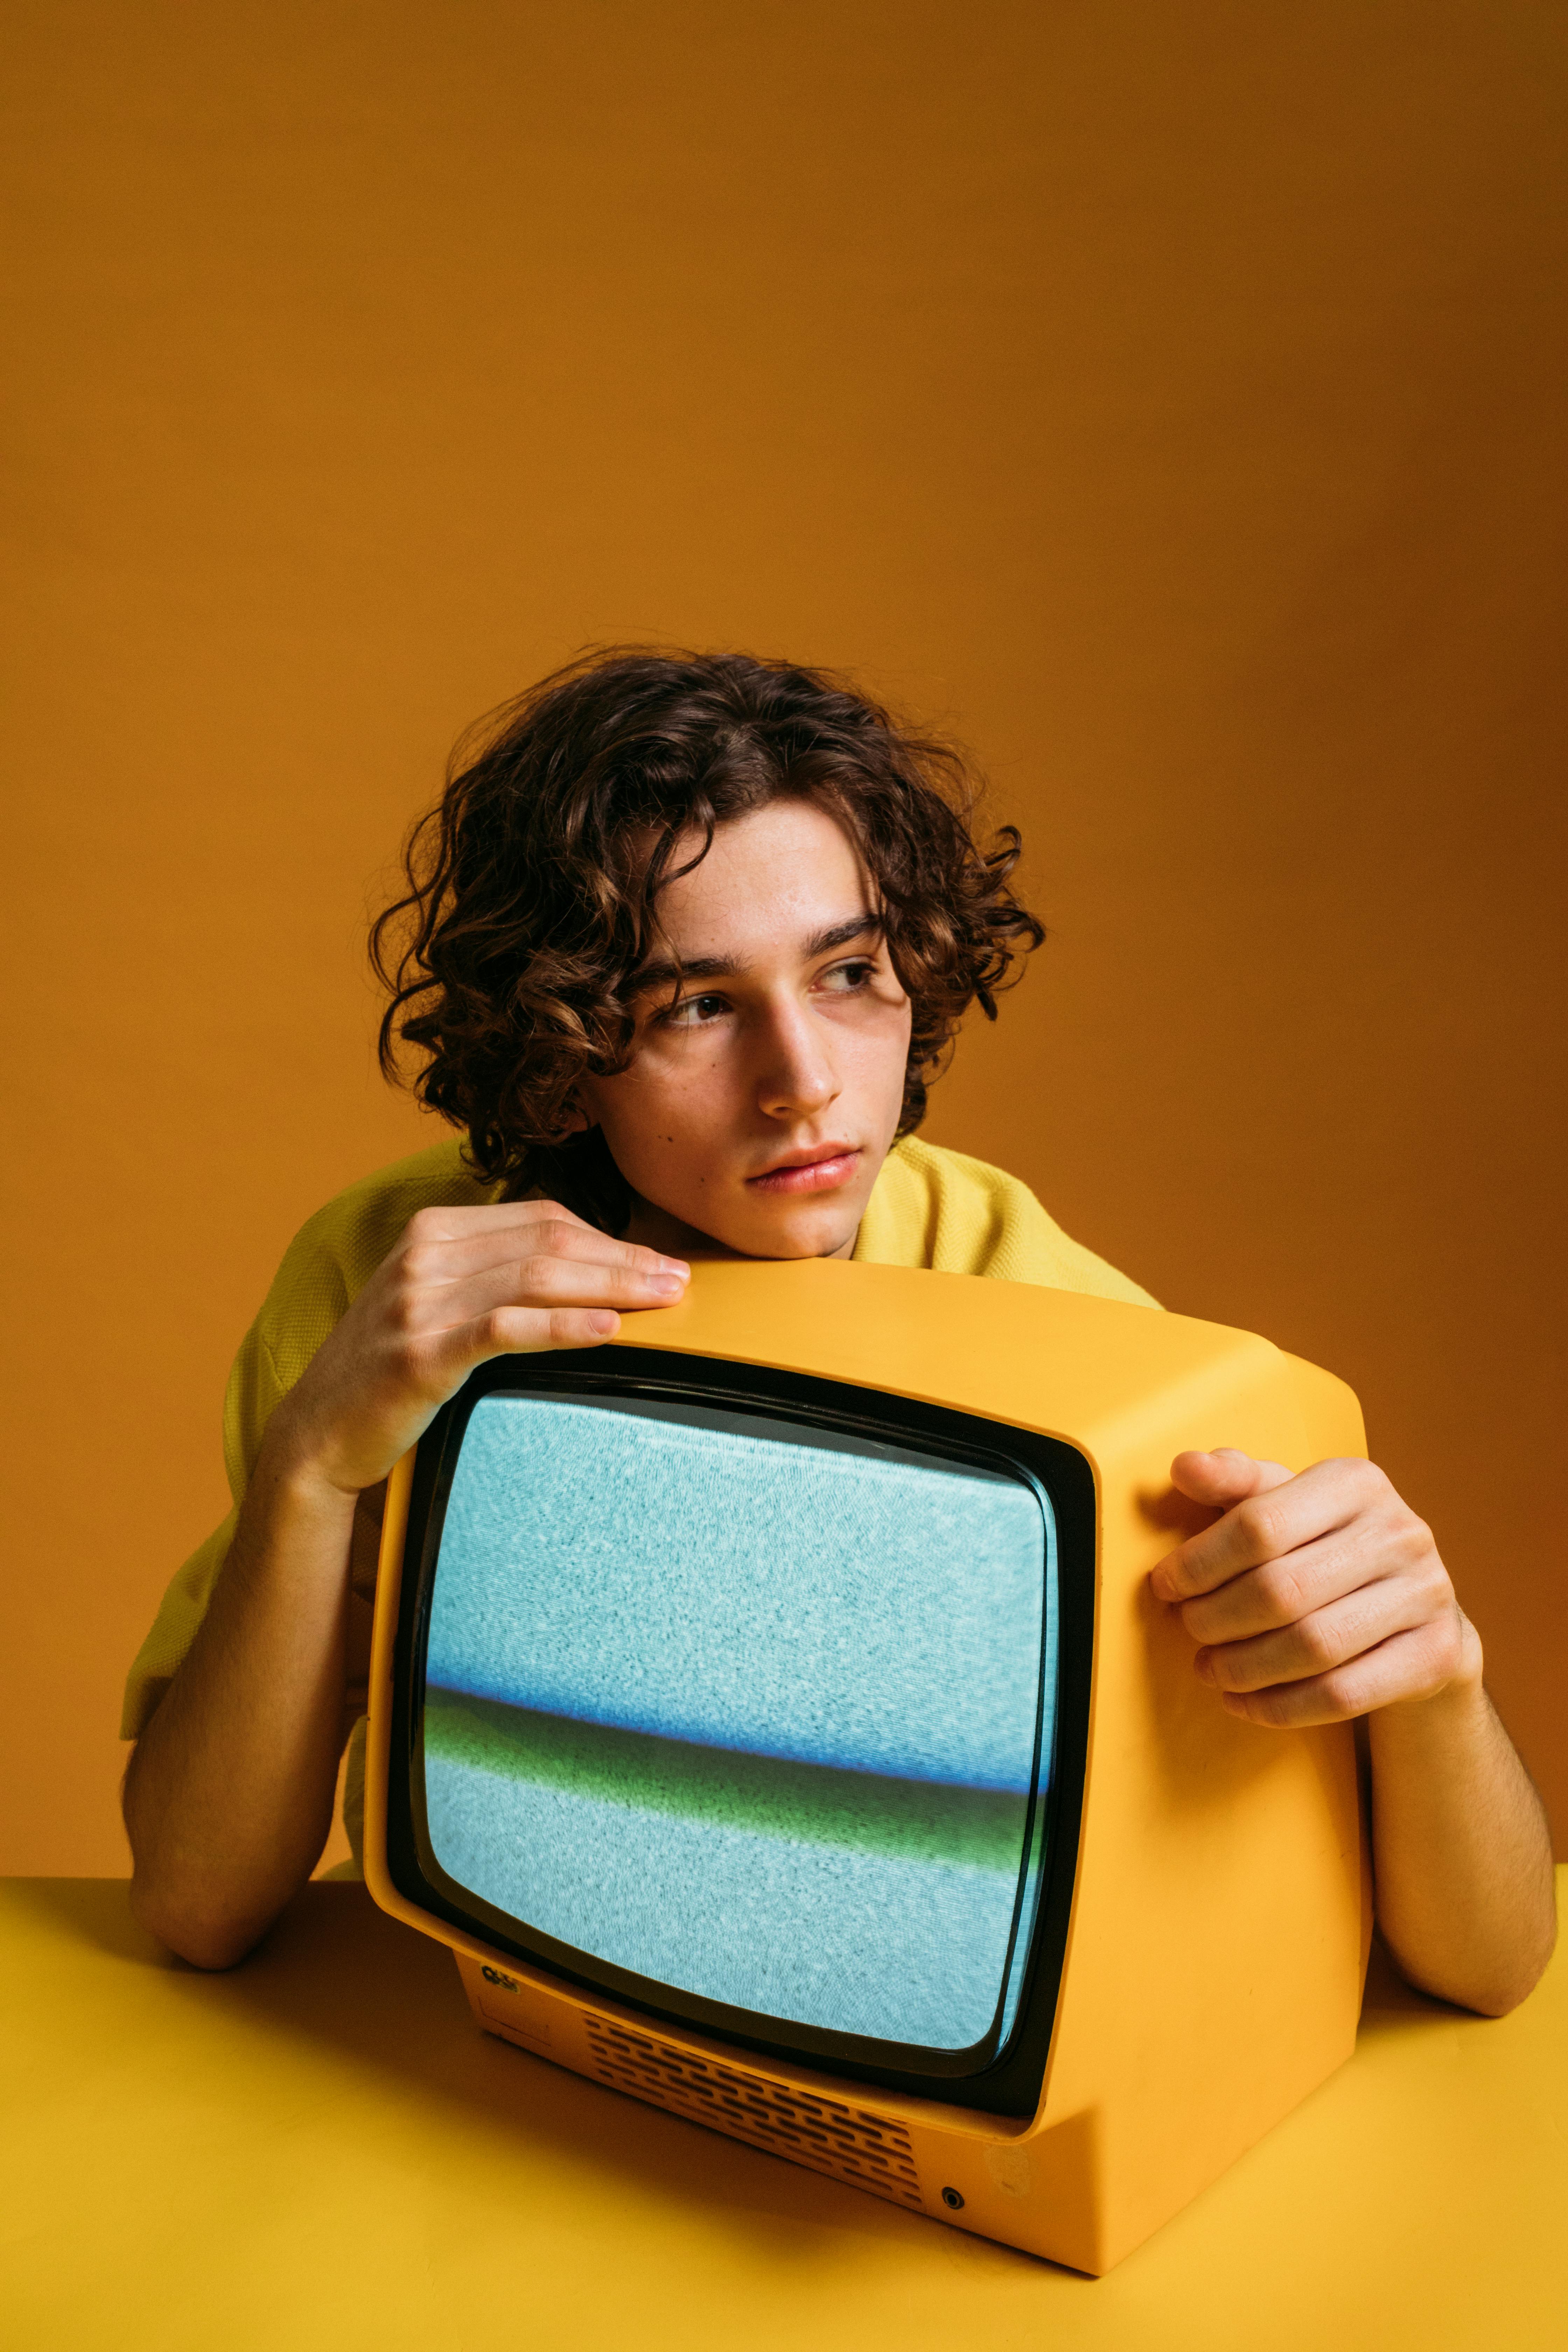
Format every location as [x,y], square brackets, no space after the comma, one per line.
[765,1229]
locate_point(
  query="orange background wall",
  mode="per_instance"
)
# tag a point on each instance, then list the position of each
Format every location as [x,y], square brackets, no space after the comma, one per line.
[1166,397]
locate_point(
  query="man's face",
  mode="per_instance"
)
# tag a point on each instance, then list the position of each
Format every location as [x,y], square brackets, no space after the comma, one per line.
[761,1102]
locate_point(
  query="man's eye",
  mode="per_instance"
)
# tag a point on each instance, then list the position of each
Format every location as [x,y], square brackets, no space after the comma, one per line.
[847,977]
[693,1011]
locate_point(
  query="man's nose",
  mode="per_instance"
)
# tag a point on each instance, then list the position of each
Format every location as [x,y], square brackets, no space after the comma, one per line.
[797,1074]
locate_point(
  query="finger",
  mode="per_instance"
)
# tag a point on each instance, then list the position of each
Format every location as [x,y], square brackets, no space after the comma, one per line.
[520,1331]
[550,1281]
[450,1223]
[1264,1526]
[1225,1475]
[1220,1478]
[1414,1665]
[432,1258]
[1281,1592]
[590,1247]
[1314,1645]
[544,1285]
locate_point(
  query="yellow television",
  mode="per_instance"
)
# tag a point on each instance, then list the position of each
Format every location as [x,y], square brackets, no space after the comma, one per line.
[771,1713]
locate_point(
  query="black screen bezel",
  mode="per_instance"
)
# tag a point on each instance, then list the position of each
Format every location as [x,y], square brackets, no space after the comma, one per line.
[1010,2084]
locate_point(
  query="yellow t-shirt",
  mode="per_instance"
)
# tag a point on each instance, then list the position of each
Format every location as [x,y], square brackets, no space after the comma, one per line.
[928,1207]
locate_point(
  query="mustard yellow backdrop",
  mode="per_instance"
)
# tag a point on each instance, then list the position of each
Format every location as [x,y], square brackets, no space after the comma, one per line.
[1167,398]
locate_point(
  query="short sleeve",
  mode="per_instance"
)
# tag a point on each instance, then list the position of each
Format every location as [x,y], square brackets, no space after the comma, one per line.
[254,1389]
[326,1265]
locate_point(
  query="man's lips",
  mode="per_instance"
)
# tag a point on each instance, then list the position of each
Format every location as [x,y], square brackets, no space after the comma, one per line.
[809,1172]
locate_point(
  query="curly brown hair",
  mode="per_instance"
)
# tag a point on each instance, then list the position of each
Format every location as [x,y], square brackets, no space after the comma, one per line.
[533,886]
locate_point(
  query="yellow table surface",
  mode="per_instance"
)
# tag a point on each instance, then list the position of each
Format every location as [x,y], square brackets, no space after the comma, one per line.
[319,2149]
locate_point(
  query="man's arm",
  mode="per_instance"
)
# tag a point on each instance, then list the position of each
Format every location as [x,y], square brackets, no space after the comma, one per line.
[230,1791]
[1321,1598]
[228,1795]
[1461,1850]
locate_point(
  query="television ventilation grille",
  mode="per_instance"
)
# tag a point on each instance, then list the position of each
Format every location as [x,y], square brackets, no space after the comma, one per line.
[871,2151]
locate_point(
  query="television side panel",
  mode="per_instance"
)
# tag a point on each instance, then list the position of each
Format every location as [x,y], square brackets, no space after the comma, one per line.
[1214,1970]
[1334,1426]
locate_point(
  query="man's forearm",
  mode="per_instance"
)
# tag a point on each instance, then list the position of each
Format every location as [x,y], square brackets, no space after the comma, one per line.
[1461,1851]
[230,1791]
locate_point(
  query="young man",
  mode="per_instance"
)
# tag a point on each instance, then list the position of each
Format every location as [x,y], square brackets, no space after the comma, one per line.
[683,943]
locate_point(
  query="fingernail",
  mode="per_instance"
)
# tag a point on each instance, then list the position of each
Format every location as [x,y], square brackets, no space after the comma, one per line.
[675,1265]
[1203,1665]
[603,1324]
[668,1285]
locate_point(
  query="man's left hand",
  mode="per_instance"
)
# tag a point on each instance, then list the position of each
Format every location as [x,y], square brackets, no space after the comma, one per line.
[1313,1597]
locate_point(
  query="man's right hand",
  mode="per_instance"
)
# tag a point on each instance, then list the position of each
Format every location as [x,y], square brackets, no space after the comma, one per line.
[462,1286]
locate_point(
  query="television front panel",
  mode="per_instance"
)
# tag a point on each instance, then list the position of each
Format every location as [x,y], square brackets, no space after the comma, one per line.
[733,1721]
[737,1697]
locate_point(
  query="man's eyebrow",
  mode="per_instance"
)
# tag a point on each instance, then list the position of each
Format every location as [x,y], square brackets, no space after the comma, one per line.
[838,935]
[669,973]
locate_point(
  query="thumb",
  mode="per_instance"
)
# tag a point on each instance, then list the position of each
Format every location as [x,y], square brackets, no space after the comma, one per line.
[1225,1476]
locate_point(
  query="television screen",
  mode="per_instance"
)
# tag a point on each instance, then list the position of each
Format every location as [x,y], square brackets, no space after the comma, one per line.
[742,1709]
[745,1714]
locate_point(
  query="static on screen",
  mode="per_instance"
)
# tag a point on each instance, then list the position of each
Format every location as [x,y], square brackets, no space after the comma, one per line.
[744,1707]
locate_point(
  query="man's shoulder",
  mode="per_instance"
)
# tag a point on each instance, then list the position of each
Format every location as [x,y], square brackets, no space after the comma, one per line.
[946,1209]
[956,1174]
[336,1251]
[935,1207]
[359,1224]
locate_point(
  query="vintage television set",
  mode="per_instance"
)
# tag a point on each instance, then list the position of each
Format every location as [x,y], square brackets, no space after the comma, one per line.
[772,1713]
